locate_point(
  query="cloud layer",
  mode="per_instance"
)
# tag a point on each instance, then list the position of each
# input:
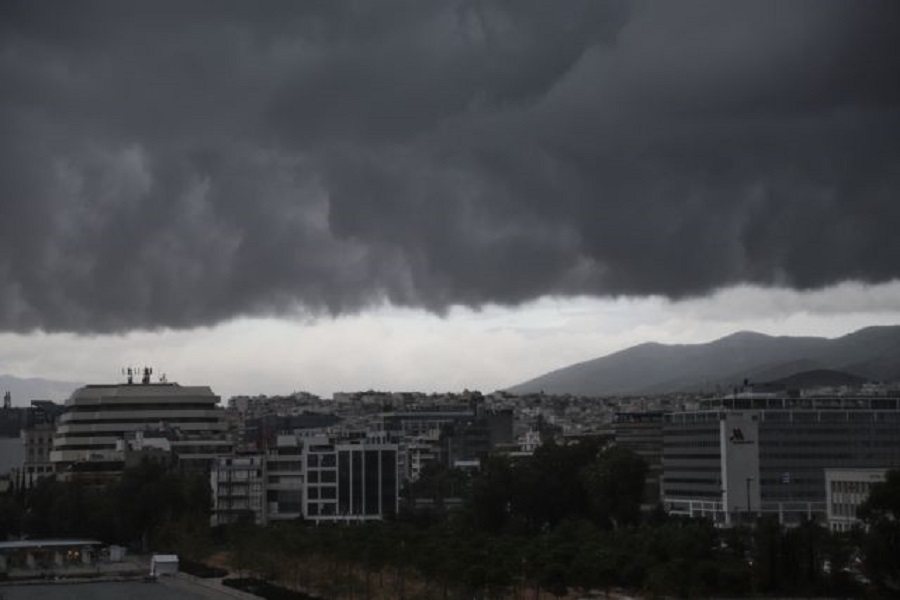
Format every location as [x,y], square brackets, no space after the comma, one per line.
[179,163]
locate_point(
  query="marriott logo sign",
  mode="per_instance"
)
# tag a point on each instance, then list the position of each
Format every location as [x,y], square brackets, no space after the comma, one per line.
[737,436]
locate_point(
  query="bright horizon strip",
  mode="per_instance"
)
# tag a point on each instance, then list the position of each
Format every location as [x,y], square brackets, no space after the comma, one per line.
[401,349]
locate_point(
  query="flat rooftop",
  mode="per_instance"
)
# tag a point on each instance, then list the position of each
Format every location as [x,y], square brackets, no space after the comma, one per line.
[50,543]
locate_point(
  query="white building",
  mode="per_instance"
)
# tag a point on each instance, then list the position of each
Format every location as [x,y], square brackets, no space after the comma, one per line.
[310,475]
[98,417]
[37,441]
[320,477]
[845,491]
[238,484]
[163,564]
[284,479]
[422,450]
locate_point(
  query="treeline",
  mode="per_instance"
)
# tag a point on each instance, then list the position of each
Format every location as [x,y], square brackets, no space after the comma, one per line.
[150,506]
[566,520]
[450,559]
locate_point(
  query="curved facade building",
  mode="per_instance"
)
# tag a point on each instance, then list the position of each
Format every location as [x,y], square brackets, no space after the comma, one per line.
[98,419]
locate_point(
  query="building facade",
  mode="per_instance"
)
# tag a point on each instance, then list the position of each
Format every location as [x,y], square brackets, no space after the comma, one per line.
[237,484]
[284,478]
[642,433]
[98,418]
[845,492]
[368,479]
[310,475]
[737,458]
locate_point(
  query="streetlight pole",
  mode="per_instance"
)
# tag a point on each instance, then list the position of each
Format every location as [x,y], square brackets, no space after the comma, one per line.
[749,479]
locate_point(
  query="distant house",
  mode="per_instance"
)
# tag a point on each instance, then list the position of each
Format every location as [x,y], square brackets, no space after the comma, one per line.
[163,564]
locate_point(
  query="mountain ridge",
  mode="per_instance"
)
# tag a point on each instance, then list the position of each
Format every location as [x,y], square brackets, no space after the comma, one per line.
[871,353]
[25,389]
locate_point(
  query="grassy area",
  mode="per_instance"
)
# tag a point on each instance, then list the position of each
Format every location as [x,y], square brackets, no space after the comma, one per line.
[266,590]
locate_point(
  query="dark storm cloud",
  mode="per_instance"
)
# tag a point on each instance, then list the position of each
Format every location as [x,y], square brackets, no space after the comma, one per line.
[181,163]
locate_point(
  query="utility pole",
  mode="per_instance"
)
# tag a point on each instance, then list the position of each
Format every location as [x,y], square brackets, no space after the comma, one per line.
[749,508]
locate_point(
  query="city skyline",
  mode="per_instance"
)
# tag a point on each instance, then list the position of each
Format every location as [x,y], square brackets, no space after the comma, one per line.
[486,351]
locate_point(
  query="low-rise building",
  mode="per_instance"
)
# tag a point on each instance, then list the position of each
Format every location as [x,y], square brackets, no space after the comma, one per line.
[238,493]
[845,492]
[311,475]
[284,478]
[352,480]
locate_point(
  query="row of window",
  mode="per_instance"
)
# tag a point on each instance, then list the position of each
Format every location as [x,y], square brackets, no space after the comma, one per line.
[851,487]
[693,443]
[321,460]
[43,469]
[692,468]
[323,492]
[843,509]
[287,465]
[701,480]
[830,443]
[323,509]
[149,420]
[692,456]
[167,406]
[321,476]
[692,493]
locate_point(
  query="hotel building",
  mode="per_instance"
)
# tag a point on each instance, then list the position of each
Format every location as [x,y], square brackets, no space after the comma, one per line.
[740,457]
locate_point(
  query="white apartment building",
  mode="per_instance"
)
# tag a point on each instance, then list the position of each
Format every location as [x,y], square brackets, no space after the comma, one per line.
[320,478]
[238,484]
[845,491]
[284,479]
[38,441]
[422,450]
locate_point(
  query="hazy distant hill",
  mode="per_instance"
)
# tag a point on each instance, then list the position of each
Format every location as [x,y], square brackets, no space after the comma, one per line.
[820,377]
[872,353]
[23,391]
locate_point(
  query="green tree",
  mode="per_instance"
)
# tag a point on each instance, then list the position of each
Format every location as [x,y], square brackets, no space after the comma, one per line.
[490,502]
[11,516]
[615,482]
[881,543]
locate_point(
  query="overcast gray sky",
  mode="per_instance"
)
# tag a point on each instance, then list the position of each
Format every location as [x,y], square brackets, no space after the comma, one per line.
[335,193]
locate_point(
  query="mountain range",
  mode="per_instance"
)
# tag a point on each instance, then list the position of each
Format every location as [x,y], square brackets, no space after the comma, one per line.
[23,391]
[871,354]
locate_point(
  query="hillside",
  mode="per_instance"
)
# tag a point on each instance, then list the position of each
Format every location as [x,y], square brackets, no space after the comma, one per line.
[872,353]
[23,391]
[820,377]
